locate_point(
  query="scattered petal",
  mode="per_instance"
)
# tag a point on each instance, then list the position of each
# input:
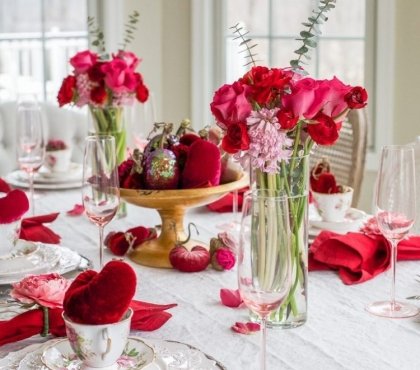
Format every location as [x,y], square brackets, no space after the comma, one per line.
[230,297]
[245,328]
[77,210]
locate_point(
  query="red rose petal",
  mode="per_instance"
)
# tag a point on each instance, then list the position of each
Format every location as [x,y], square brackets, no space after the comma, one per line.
[77,210]
[13,206]
[230,297]
[246,328]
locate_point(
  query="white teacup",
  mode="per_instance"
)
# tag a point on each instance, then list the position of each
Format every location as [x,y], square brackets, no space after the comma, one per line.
[58,160]
[333,207]
[99,346]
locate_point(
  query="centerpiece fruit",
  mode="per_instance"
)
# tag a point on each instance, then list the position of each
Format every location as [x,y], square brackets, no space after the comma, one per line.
[183,160]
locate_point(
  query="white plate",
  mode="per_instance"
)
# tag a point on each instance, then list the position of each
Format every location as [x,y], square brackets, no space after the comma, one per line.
[67,261]
[41,258]
[74,173]
[60,356]
[353,220]
[15,179]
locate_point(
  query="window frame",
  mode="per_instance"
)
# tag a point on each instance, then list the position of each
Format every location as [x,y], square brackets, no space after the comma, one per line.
[208,57]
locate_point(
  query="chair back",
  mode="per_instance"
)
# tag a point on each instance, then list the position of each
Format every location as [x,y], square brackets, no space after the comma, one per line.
[347,156]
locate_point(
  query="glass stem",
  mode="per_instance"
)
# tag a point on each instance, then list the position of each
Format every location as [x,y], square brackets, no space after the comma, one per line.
[263,324]
[394,244]
[101,247]
[31,191]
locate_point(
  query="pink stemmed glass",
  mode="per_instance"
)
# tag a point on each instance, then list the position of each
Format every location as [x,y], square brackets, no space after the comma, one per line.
[100,191]
[395,214]
[30,141]
[264,259]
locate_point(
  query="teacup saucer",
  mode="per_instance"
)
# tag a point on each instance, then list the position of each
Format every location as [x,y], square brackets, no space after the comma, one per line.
[46,175]
[353,221]
[60,356]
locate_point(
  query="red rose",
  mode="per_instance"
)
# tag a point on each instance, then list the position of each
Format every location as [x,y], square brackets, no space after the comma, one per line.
[95,72]
[356,98]
[66,92]
[236,138]
[230,104]
[266,83]
[98,95]
[142,92]
[287,120]
[325,131]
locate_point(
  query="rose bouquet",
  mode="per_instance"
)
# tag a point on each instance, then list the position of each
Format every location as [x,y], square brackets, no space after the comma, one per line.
[106,85]
[271,118]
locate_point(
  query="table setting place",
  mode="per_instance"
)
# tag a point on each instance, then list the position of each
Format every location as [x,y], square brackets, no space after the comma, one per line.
[198,248]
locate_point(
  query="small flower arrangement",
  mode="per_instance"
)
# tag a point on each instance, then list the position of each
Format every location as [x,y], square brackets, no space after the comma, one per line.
[223,252]
[55,144]
[102,81]
[322,180]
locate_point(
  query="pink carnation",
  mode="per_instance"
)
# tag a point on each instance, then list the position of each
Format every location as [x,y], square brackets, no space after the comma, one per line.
[223,259]
[46,290]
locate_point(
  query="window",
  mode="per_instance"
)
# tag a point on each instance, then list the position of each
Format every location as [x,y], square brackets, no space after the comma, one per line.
[37,38]
[358,34]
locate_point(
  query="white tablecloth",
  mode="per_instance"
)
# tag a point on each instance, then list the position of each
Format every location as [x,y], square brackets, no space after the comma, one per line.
[339,333]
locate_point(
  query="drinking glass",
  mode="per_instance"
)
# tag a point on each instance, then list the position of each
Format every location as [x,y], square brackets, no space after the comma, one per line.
[30,141]
[100,191]
[395,213]
[264,259]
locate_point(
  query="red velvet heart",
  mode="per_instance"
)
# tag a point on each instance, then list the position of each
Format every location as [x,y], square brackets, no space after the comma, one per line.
[189,261]
[203,166]
[101,298]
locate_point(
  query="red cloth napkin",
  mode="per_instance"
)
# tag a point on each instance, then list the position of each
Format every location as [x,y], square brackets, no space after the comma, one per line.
[358,257]
[33,229]
[225,204]
[146,317]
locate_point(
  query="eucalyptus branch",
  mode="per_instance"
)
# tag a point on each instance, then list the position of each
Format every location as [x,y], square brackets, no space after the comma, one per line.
[309,37]
[98,39]
[130,28]
[247,42]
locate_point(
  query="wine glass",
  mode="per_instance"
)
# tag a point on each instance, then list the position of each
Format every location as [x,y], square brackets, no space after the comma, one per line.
[30,141]
[395,213]
[100,191]
[264,259]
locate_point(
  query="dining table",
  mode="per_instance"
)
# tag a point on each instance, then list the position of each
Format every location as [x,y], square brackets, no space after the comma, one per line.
[339,332]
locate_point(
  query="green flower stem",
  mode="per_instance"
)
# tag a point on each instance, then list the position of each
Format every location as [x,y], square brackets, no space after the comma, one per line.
[109,121]
[46,325]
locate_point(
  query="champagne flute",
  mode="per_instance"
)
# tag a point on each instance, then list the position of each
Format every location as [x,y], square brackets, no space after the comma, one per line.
[264,260]
[100,191]
[395,213]
[30,141]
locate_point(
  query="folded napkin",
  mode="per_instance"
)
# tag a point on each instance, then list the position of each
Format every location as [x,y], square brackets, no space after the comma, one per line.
[4,186]
[146,317]
[358,257]
[33,229]
[225,204]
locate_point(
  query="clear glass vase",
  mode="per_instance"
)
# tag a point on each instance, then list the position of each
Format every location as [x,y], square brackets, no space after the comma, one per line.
[293,179]
[110,121]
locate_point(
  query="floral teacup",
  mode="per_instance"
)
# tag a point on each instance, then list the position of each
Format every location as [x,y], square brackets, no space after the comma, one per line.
[99,346]
[333,207]
[58,160]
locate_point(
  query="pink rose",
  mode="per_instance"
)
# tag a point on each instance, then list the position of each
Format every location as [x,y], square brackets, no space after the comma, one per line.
[301,102]
[223,259]
[129,57]
[46,290]
[230,104]
[118,77]
[331,94]
[83,60]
